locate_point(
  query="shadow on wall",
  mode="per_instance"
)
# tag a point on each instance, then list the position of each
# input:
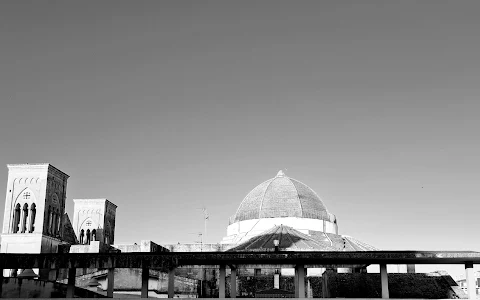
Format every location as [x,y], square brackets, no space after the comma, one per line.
[33,288]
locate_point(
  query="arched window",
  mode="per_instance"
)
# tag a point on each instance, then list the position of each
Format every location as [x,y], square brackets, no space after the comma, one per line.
[53,229]
[57,224]
[94,235]
[33,213]
[82,234]
[24,217]
[16,218]
[48,219]
[88,237]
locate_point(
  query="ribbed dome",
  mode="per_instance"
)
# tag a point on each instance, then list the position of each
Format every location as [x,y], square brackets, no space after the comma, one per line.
[282,197]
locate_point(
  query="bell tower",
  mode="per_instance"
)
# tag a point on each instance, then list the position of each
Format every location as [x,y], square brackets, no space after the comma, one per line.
[34,209]
[94,220]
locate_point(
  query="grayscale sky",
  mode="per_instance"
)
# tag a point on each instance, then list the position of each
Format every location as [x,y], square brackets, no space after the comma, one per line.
[164,107]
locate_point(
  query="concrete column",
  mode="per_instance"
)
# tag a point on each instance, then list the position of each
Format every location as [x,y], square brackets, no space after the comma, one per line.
[144,293]
[233,282]
[1,282]
[276,281]
[410,268]
[300,281]
[171,283]
[295,282]
[72,272]
[470,276]
[221,282]
[384,281]
[110,280]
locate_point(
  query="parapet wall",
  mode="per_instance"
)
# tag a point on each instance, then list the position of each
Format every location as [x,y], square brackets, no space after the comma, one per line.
[197,247]
[33,288]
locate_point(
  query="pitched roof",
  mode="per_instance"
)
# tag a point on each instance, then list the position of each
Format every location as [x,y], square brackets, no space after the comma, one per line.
[289,240]
[293,240]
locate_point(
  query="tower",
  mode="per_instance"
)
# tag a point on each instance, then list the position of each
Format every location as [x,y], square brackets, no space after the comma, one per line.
[34,209]
[94,220]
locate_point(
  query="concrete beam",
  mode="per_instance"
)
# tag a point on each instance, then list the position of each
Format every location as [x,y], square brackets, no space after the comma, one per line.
[144,293]
[221,281]
[72,273]
[164,261]
[470,276]
[384,281]
[110,281]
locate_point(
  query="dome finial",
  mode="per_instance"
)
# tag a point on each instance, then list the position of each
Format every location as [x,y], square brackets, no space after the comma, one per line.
[280,174]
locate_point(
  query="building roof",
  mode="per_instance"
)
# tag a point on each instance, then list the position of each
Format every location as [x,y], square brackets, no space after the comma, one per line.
[290,239]
[282,197]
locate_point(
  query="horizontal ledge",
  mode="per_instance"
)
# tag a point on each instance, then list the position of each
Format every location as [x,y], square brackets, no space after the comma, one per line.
[167,260]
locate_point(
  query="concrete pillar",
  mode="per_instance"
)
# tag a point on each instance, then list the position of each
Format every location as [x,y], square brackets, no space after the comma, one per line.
[221,281]
[233,282]
[171,283]
[72,272]
[276,281]
[410,268]
[144,293]
[110,280]
[384,281]
[295,282]
[300,281]
[1,282]
[470,276]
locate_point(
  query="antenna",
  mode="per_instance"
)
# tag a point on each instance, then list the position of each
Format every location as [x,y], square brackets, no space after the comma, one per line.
[201,239]
[205,219]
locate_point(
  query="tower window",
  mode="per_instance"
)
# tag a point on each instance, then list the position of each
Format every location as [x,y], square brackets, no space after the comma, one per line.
[88,223]
[82,234]
[16,218]
[33,212]
[88,237]
[24,218]
[26,195]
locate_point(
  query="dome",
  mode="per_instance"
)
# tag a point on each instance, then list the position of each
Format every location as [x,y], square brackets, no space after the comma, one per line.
[282,197]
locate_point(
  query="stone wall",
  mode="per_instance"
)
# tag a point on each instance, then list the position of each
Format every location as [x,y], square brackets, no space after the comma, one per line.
[367,285]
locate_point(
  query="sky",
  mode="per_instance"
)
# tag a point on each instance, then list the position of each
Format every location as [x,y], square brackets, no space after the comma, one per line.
[165,107]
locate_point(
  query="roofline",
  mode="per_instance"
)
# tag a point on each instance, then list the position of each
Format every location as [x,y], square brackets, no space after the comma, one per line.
[95,199]
[48,166]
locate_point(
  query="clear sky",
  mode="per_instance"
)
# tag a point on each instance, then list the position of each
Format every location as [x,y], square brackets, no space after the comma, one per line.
[164,107]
